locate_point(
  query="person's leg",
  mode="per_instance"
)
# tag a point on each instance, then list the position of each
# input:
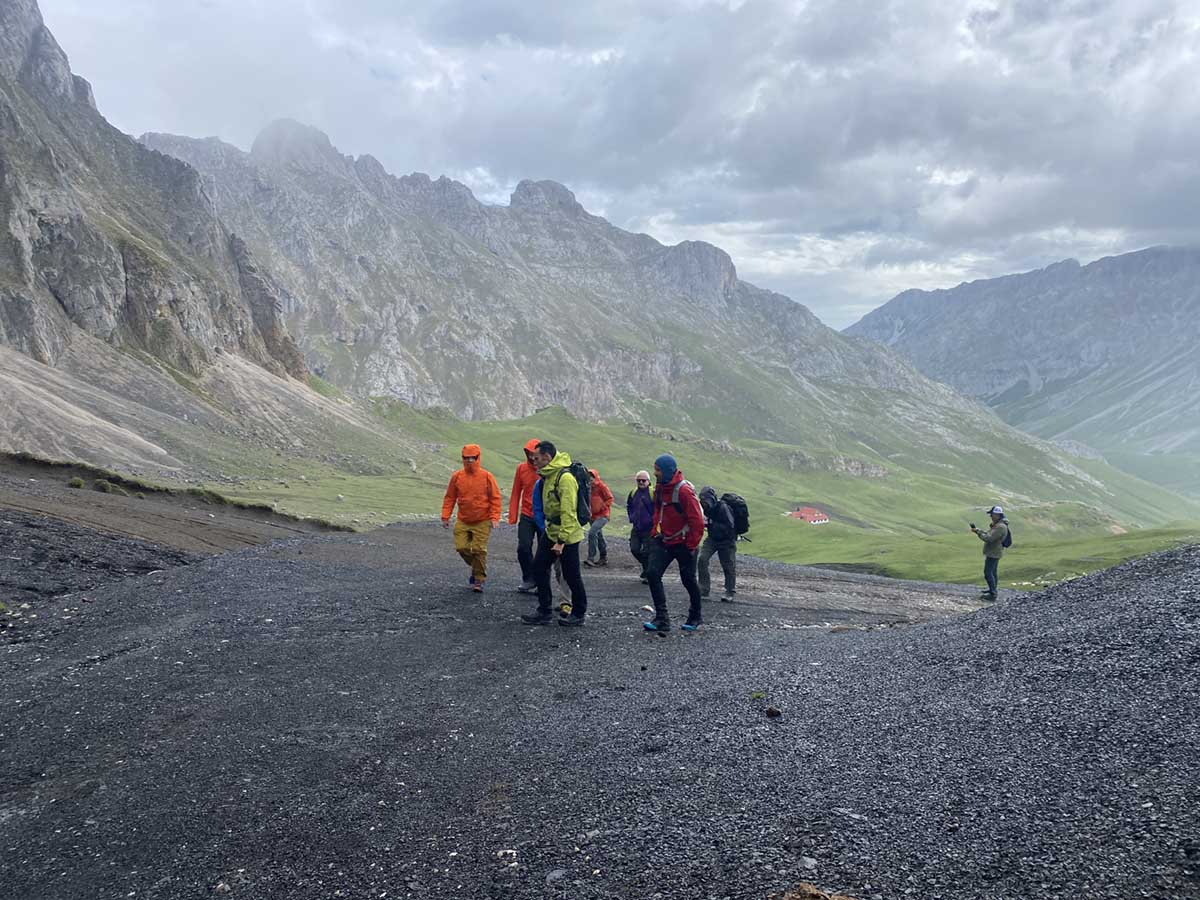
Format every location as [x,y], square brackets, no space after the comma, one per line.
[480,533]
[728,556]
[707,549]
[526,534]
[657,564]
[990,572]
[601,543]
[543,561]
[574,579]
[687,575]
[462,542]
[639,546]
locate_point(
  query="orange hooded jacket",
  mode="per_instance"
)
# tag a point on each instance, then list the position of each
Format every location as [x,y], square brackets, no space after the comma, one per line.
[475,491]
[602,497]
[520,501]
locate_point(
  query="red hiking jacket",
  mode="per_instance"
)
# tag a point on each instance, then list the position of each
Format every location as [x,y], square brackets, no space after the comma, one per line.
[678,526]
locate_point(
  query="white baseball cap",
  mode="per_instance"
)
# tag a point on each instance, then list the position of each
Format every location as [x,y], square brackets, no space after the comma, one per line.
[996,511]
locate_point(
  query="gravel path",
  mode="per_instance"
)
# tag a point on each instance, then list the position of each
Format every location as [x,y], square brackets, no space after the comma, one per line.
[338,717]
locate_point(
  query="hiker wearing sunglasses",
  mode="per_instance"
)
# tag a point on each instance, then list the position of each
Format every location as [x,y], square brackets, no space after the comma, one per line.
[474,490]
[639,506]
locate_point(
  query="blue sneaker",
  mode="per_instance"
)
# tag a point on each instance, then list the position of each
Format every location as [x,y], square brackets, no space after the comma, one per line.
[689,625]
[657,626]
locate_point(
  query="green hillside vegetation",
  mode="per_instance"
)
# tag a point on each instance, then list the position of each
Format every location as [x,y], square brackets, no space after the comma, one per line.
[910,523]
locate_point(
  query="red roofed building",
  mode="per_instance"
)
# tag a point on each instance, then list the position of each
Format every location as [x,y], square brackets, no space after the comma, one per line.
[811,515]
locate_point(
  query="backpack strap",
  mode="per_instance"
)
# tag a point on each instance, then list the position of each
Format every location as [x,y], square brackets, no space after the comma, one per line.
[683,532]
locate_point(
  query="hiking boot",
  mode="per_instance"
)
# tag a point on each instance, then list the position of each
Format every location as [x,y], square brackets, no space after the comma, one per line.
[658,626]
[527,587]
[704,595]
[591,564]
[990,598]
[572,622]
[603,561]
[538,618]
[692,624]
[727,597]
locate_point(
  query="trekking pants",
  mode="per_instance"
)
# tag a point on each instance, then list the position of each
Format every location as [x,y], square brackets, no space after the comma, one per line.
[543,562]
[639,546]
[661,556]
[727,553]
[991,571]
[596,538]
[470,540]
[527,532]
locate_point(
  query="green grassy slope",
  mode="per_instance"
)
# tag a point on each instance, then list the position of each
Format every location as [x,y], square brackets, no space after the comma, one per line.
[911,523]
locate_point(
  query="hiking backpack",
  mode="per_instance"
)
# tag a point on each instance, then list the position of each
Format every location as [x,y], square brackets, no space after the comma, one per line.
[583,497]
[1007,542]
[741,512]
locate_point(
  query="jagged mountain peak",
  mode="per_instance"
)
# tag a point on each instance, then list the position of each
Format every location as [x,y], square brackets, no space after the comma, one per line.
[288,143]
[544,197]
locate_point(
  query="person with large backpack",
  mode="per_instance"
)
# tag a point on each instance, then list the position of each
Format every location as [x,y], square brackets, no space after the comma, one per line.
[677,532]
[721,539]
[639,506]
[565,503]
[474,490]
[995,540]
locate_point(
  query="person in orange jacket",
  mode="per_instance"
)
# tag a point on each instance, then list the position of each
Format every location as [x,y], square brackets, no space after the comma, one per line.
[601,509]
[520,513]
[475,491]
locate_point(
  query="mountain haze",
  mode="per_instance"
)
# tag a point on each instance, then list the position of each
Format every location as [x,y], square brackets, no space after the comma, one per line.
[1107,354]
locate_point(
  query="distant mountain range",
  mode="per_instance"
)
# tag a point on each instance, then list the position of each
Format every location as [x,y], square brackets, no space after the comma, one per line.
[164,303]
[1106,355]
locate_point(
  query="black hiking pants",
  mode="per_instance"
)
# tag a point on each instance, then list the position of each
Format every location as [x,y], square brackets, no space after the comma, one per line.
[527,532]
[661,556]
[639,546]
[726,552]
[543,564]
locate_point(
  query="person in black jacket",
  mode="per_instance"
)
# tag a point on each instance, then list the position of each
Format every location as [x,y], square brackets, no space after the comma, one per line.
[721,539]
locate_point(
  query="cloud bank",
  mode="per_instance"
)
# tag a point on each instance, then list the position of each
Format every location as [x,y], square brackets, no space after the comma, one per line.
[840,150]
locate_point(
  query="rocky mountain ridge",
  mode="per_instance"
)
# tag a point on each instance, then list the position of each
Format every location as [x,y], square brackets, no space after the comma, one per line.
[101,235]
[1107,354]
[410,287]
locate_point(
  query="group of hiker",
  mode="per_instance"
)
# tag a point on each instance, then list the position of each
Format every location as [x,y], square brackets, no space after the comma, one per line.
[553,498]
[561,508]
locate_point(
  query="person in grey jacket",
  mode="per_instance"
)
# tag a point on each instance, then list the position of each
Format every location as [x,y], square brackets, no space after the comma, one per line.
[993,549]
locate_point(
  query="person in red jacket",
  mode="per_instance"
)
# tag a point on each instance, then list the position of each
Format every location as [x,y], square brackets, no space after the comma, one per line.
[677,532]
[475,491]
[601,508]
[520,513]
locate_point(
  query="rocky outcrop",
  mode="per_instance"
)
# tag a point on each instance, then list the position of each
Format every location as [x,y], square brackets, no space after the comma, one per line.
[100,235]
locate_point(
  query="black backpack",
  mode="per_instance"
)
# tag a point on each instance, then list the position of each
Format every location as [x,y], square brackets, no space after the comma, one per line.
[1007,542]
[741,512]
[583,497]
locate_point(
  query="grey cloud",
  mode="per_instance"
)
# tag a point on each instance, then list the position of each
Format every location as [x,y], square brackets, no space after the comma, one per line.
[922,139]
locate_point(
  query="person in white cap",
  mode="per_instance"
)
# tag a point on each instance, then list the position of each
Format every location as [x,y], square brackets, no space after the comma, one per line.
[994,541]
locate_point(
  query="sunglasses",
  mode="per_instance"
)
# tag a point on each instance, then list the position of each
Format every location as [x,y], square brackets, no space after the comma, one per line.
[643,481]
[470,459]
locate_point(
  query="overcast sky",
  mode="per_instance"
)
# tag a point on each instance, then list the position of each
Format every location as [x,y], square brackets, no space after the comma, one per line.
[840,150]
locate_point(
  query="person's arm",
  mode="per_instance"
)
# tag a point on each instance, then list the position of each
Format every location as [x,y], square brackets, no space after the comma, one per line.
[629,507]
[727,519]
[450,499]
[606,494]
[497,502]
[514,499]
[656,518]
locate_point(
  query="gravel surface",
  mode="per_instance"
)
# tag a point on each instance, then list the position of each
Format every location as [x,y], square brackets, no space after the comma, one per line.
[339,717]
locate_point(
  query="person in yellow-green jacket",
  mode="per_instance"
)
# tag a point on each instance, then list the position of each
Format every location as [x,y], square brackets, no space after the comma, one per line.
[563,536]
